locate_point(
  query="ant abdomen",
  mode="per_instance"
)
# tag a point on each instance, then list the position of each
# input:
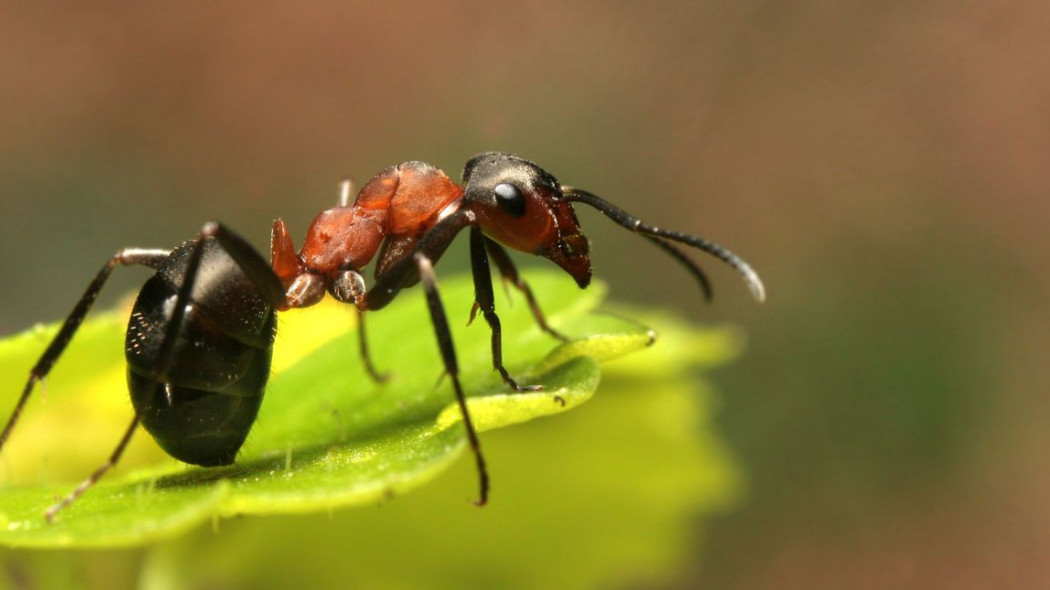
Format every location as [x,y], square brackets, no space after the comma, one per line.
[199,398]
[199,427]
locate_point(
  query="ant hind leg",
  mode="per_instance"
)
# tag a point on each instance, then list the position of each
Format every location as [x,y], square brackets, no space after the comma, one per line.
[165,356]
[126,257]
[254,267]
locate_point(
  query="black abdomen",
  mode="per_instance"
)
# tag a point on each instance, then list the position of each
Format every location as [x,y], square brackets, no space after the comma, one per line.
[200,403]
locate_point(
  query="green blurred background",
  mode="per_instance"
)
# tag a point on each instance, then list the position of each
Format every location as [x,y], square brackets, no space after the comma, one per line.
[883,165]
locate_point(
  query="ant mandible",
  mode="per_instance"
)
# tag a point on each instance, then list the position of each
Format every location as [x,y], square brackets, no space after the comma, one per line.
[200,337]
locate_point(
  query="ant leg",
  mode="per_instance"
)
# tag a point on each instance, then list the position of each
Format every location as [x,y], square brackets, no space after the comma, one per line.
[403,271]
[165,354]
[483,299]
[256,269]
[510,273]
[125,257]
[365,355]
[346,191]
[259,272]
[349,287]
[97,475]
[448,355]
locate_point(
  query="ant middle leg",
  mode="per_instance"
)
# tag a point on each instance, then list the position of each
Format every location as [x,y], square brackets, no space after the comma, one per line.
[164,356]
[349,287]
[366,356]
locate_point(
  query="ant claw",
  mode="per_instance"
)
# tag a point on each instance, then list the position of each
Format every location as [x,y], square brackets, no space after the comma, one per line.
[514,384]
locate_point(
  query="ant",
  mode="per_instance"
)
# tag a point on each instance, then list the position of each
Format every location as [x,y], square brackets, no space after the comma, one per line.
[200,337]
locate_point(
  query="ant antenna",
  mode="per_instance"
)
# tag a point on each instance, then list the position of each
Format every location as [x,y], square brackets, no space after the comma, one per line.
[754,284]
[687,262]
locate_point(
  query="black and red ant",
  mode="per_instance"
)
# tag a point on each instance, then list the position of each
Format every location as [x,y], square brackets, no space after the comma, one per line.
[201,333]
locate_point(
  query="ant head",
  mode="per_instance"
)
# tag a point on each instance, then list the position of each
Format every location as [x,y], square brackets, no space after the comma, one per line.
[521,205]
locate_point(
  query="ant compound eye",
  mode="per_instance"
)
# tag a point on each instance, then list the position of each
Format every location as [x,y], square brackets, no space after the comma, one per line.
[510,199]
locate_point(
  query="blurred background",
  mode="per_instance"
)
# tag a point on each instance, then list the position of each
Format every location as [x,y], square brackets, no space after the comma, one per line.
[883,165]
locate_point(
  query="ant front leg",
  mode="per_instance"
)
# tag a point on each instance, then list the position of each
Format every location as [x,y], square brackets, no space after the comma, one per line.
[420,265]
[484,300]
[510,274]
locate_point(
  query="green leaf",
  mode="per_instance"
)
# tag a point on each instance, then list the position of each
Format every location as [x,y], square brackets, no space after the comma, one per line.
[327,435]
[613,495]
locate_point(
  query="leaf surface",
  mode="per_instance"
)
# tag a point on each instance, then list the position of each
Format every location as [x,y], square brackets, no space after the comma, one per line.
[327,436]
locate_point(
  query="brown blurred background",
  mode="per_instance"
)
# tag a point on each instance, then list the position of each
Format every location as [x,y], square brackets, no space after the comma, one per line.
[884,166]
